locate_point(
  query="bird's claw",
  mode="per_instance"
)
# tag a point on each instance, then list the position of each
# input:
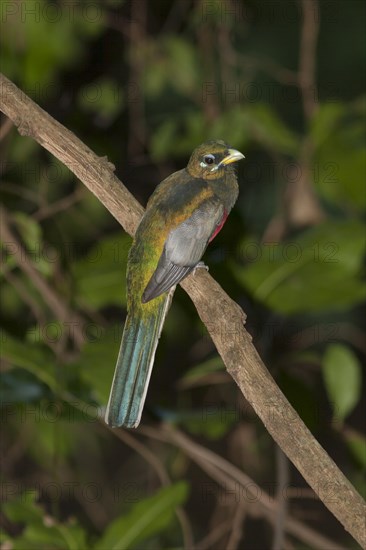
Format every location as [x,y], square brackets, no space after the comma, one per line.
[200,265]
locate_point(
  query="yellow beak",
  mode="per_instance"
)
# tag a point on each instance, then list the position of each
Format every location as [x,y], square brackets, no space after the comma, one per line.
[233,156]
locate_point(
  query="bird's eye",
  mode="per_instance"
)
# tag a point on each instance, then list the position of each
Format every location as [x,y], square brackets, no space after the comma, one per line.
[209,159]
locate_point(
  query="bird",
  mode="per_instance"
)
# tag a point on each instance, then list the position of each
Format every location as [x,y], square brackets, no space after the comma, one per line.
[183,215]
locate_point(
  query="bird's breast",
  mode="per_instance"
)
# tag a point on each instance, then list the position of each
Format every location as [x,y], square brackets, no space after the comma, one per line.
[220,225]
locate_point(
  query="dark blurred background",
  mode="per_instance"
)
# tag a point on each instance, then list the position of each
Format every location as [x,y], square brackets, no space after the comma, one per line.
[144,83]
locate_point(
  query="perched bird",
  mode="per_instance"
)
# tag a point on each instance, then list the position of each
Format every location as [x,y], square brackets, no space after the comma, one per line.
[185,212]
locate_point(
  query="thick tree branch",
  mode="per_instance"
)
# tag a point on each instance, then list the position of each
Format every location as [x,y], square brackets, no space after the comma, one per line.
[223,318]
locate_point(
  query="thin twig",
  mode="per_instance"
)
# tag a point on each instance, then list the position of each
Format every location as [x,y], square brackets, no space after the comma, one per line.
[49,210]
[328,333]
[282,510]
[205,36]
[237,527]
[301,206]
[308,45]
[215,535]
[281,74]
[136,107]
[19,190]
[54,302]
[16,282]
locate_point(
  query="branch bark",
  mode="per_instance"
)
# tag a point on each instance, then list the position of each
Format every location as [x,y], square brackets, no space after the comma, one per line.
[223,318]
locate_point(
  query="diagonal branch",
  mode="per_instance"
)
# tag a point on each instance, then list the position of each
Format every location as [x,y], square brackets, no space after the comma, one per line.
[235,481]
[55,303]
[223,318]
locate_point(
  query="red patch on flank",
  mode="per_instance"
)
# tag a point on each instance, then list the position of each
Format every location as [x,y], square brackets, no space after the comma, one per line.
[219,226]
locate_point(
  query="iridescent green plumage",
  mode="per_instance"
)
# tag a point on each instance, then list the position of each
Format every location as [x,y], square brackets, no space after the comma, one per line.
[184,213]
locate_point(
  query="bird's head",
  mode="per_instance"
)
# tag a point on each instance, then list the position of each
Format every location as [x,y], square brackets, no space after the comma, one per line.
[211,159]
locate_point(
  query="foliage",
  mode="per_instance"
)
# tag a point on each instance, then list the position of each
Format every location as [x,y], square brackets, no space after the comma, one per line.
[144,520]
[320,270]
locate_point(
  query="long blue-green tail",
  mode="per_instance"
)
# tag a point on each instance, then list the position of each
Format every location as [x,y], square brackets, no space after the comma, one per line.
[134,365]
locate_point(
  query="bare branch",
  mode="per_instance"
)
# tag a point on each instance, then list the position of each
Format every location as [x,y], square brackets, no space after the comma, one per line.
[223,318]
[237,527]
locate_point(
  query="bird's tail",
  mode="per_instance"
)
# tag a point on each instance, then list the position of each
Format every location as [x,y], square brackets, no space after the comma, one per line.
[134,365]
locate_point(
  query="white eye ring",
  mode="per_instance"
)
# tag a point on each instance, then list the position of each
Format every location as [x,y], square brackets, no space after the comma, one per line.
[209,159]
[204,164]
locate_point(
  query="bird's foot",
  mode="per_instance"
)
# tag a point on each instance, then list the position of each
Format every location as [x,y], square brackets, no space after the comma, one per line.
[200,265]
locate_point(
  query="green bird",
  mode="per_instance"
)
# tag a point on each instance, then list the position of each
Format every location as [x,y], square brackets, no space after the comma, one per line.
[185,212]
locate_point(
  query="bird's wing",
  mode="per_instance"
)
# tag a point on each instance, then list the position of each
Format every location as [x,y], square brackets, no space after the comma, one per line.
[184,247]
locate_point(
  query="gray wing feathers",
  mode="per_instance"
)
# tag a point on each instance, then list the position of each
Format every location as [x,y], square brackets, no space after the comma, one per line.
[184,248]
[186,244]
[165,276]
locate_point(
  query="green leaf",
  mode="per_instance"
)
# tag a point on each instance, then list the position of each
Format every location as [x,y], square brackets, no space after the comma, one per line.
[176,137]
[235,122]
[32,242]
[52,38]
[182,68]
[51,434]
[145,519]
[342,378]
[212,422]
[29,229]
[12,305]
[24,150]
[321,270]
[103,96]
[340,154]
[100,276]
[41,532]
[35,359]
[169,65]
[325,121]
[24,509]
[97,361]
[162,139]
[196,373]
[356,443]
[268,129]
